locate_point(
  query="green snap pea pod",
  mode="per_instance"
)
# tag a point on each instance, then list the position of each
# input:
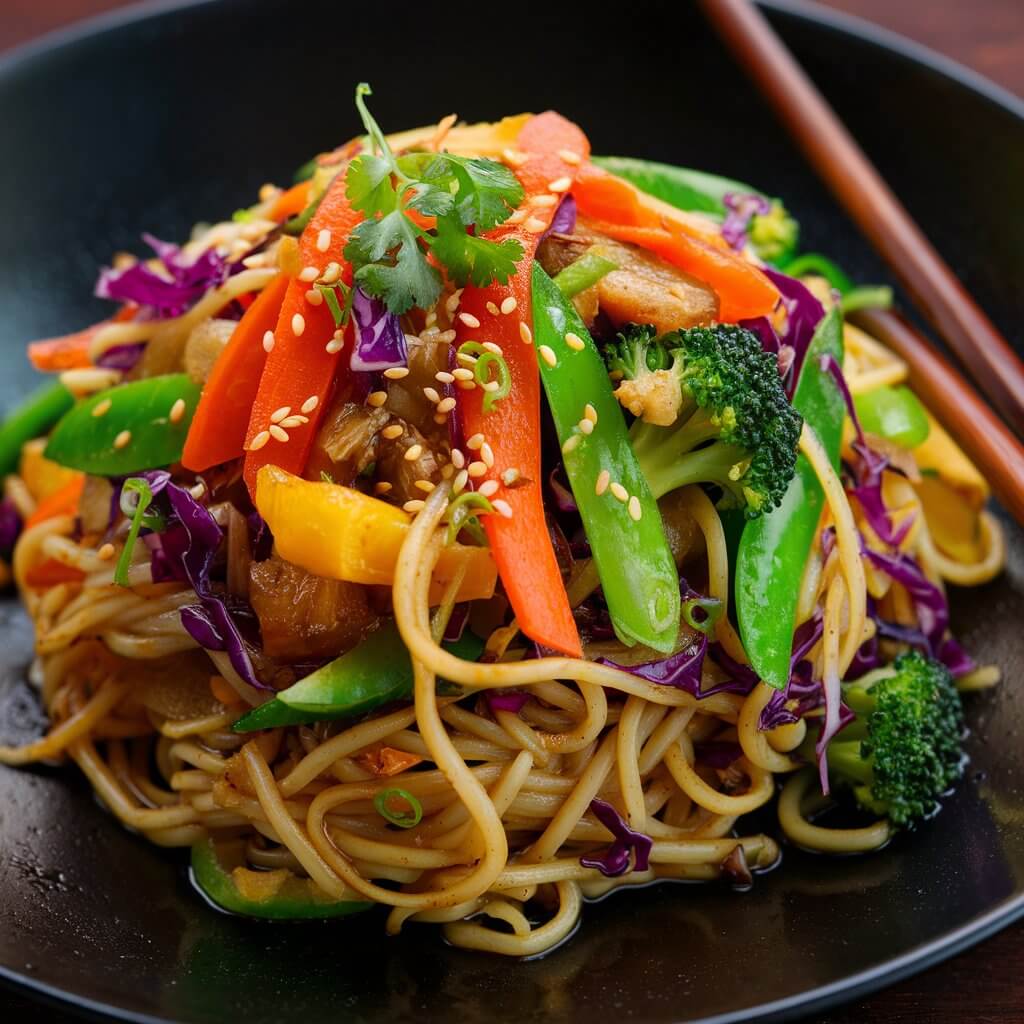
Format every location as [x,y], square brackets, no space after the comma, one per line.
[29,419]
[295,899]
[773,549]
[895,414]
[128,428]
[620,516]
[376,672]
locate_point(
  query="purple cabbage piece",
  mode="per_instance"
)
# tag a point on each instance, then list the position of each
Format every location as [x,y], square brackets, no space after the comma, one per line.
[801,691]
[682,670]
[564,500]
[507,700]
[564,220]
[742,208]
[615,860]
[380,340]
[167,295]
[457,622]
[10,527]
[121,357]
[718,754]
[743,678]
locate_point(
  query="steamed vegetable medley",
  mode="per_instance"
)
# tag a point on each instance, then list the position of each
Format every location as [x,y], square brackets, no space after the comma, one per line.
[517,499]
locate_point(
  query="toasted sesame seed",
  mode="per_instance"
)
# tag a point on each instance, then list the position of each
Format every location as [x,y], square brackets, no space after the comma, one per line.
[487,454]
[298,324]
[465,385]
[469,320]
[314,297]
[590,413]
[603,479]
[431,318]
[570,444]
[447,472]
[267,192]
[476,469]
[376,398]
[310,404]
[413,506]
[503,508]
[290,422]
[413,452]
[525,334]
[514,157]
[105,552]
[492,385]
[439,418]
[492,308]
[586,426]
[569,156]
[432,394]
[444,377]
[474,442]
[462,374]
[548,355]
[493,347]
[543,201]
[510,476]
[575,342]
[446,405]
[517,216]
[392,430]
[424,485]
[560,184]
[452,302]
[334,346]
[396,372]
[508,305]
[460,481]
[534,224]
[255,261]
[620,492]
[382,487]
[101,408]
[268,341]
[277,432]
[197,490]
[177,411]
[488,487]
[446,337]
[123,439]
[458,459]
[332,273]
[635,509]
[323,240]
[279,414]
[259,440]
[309,274]
[466,359]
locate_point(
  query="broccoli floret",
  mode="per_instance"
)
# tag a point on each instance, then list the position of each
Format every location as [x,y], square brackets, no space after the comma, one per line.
[774,235]
[904,749]
[710,409]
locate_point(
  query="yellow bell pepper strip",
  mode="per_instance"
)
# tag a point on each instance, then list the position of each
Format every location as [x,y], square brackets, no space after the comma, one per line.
[41,475]
[941,455]
[300,370]
[31,419]
[343,534]
[519,539]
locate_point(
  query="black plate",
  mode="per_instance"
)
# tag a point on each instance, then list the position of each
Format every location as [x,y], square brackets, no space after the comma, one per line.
[171,114]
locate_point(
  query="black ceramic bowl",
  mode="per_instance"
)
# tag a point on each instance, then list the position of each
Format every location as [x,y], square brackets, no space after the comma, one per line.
[152,119]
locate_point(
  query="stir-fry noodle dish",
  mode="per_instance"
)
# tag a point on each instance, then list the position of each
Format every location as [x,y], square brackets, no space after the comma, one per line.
[478,525]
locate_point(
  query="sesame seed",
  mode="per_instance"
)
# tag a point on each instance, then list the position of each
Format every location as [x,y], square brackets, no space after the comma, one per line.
[446,337]
[444,377]
[493,347]
[575,342]
[267,192]
[259,441]
[308,274]
[331,274]
[101,408]
[548,355]
[310,403]
[465,385]
[492,309]
[452,302]
[570,444]
[432,395]
[298,324]
[446,405]
[620,492]
[431,318]
[392,431]
[123,439]
[635,509]
[460,481]
[476,469]
[314,298]
[382,487]
[469,320]
[488,487]
[514,157]
[508,305]
[177,411]
[517,217]
[466,359]
[492,385]
[487,454]
[334,346]
[268,341]
[474,442]
[586,426]
[458,459]
[105,552]
[590,413]
[413,452]
[542,201]
[447,472]
[560,184]
[278,433]
[396,372]
[603,479]
[439,418]
[534,224]
[503,508]
[525,334]
[569,156]
[323,240]
[413,506]
[197,490]
[290,422]
[376,398]
[255,261]
[510,476]
[279,414]
[424,485]
[462,374]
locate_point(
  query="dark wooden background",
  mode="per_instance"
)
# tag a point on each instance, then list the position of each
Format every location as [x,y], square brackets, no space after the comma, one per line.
[986,984]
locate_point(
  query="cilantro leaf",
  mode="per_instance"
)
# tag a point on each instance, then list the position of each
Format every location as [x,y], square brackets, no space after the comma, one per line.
[412,281]
[488,193]
[368,185]
[472,260]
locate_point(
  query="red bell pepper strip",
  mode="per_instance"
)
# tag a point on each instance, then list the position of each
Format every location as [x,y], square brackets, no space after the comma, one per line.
[300,369]
[218,427]
[520,543]
[71,351]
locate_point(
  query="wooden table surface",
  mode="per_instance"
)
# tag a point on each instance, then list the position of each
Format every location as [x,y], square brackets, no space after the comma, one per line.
[986,984]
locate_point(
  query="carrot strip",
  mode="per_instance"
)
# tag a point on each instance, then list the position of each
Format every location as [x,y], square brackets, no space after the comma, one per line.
[292,201]
[50,572]
[63,502]
[71,351]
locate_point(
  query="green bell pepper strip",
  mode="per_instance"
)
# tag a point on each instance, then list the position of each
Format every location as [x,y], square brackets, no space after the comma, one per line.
[376,672]
[895,414]
[637,571]
[583,274]
[296,899]
[306,171]
[822,266]
[774,548]
[866,296]
[97,443]
[29,419]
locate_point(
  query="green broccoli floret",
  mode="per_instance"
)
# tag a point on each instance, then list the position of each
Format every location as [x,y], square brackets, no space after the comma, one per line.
[710,409]
[774,235]
[904,749]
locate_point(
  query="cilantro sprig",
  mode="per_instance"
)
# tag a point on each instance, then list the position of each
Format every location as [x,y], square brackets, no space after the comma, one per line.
[389,249]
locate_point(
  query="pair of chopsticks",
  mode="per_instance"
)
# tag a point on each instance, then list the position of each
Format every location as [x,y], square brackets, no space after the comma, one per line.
[926,277]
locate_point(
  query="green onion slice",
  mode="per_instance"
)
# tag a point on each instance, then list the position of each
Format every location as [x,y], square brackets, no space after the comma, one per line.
[409,817]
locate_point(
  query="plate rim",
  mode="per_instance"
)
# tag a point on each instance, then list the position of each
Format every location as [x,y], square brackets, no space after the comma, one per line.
[915,960]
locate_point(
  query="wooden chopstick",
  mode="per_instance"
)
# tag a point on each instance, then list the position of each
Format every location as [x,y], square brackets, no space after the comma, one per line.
[847,171]
[956,405]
